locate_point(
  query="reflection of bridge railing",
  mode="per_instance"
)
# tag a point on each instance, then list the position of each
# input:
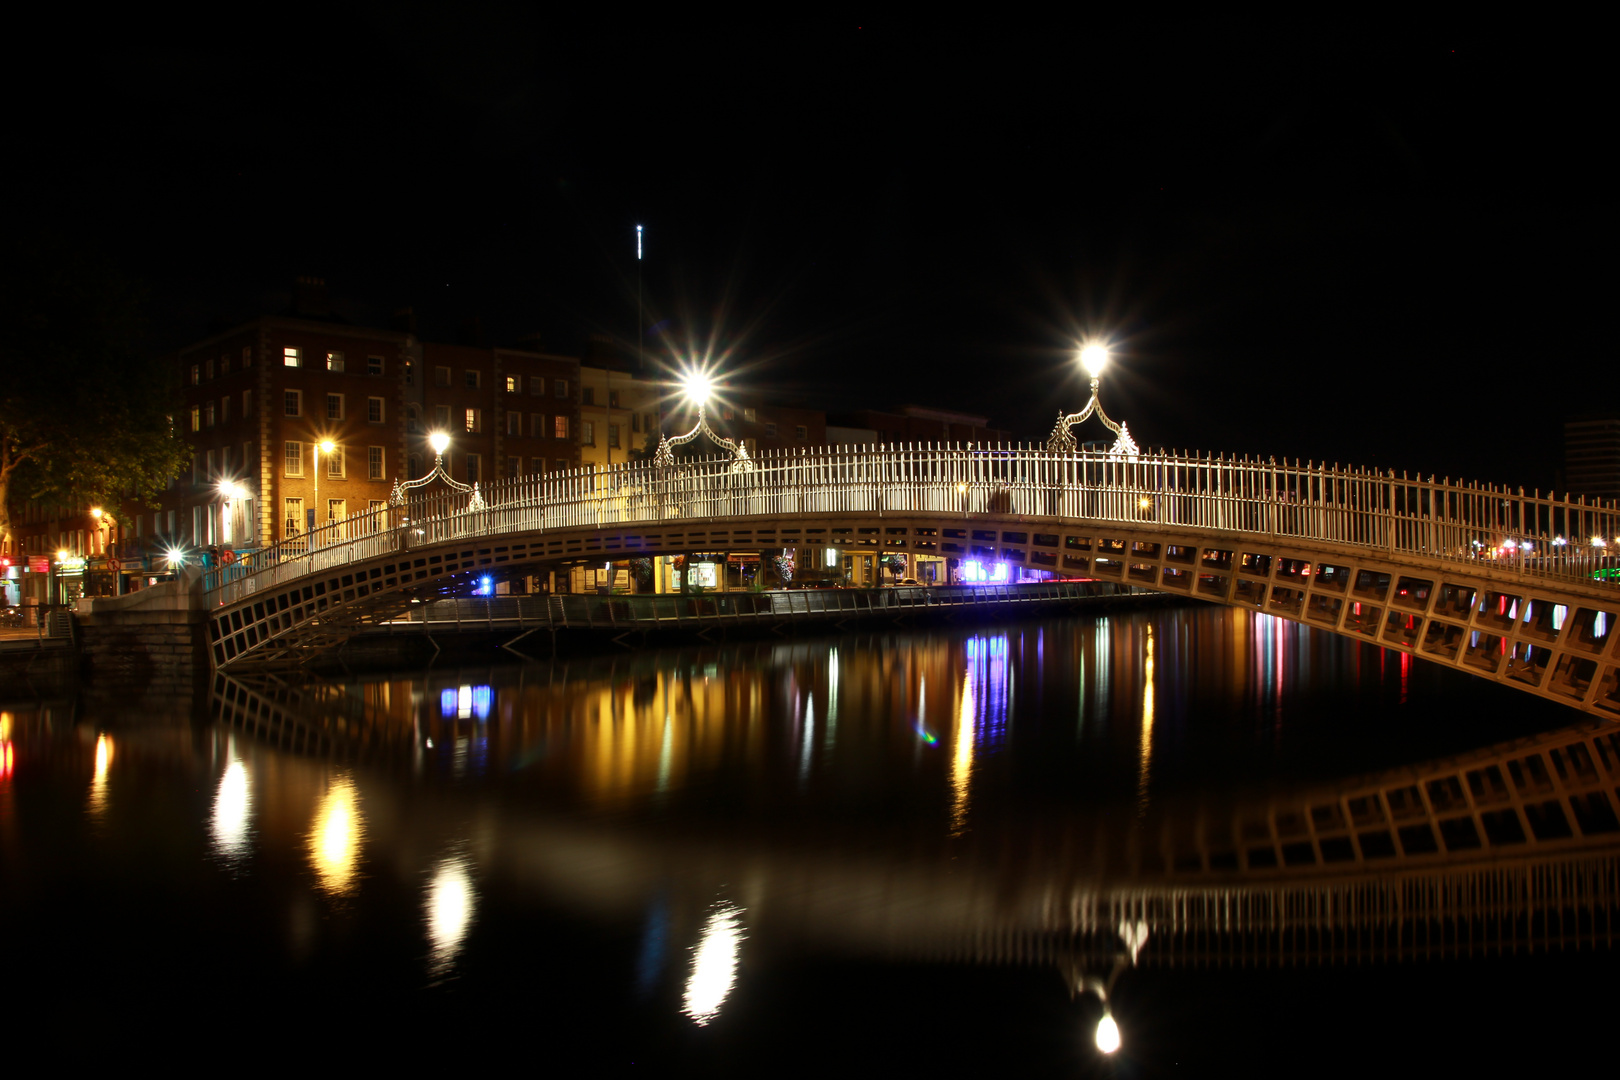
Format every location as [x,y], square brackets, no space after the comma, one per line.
[1526,534]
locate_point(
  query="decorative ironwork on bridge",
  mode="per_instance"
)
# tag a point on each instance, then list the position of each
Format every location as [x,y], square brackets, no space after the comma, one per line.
[438,440]
[1094,358]
[698,389]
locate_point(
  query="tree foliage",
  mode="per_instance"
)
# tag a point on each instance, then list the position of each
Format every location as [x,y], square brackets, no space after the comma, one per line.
[85,409]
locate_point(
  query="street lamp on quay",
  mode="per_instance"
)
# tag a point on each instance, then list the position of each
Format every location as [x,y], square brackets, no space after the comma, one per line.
[697,387]
[325,446]
[1094,358]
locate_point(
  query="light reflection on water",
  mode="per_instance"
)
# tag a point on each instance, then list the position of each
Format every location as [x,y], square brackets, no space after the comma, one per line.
[336,837]
[821,785]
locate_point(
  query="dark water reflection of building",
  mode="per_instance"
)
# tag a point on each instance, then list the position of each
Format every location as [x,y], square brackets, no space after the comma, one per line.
[1206,787]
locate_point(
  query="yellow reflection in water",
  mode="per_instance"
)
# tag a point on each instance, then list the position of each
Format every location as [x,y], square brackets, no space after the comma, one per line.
[962,760]
[1145,767]
[98,783]
[335,839]
[714,964]
[232,802]
[448,909]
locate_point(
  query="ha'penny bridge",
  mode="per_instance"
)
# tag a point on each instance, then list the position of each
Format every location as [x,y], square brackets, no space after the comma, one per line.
[1518,588]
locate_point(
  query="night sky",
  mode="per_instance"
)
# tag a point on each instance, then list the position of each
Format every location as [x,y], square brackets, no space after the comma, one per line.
[1364,243]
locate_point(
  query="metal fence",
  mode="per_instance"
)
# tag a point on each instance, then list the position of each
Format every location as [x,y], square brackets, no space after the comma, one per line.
[1568,538]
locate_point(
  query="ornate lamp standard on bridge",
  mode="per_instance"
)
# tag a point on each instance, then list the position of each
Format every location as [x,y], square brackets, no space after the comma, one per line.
[1093,358]
[698,389]
[440,442]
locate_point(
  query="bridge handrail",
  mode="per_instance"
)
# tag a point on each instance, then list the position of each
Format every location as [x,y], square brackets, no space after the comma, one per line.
[1531,535]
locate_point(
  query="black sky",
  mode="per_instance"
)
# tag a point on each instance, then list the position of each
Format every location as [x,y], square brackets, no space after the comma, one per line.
[1376,244]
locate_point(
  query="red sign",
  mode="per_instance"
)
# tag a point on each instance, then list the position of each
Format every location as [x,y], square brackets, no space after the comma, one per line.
[39,564]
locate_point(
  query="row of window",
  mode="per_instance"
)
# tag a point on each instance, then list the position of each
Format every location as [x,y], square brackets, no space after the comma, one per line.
[292,460]
[205,371]
[292,356]
[514,383]
[293,405]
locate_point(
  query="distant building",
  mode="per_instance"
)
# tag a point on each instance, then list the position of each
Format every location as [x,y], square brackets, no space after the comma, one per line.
[1592,456]
[261,399]
[619,415]
[915,424]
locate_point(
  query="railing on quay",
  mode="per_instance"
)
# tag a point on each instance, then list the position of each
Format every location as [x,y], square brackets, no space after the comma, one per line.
[1568,538]
[644,611]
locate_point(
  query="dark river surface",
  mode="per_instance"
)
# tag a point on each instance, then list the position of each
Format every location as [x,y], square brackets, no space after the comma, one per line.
[1269,849]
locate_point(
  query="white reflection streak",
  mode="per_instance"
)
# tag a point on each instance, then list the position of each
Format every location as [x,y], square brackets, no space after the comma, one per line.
[832,695]
[962,759]
[98,783]
[1146,765]
[809,734]
[232,802]
[448,910]
[714,964]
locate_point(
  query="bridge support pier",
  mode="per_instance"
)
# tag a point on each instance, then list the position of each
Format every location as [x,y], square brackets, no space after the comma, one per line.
[152,642]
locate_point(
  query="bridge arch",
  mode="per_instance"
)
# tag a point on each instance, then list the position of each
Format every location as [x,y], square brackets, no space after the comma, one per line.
[1469,576]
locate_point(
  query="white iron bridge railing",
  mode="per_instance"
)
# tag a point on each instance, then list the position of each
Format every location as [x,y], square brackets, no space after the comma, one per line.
[1568,538]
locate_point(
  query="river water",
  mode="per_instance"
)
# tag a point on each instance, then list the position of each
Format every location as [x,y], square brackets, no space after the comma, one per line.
[896,848]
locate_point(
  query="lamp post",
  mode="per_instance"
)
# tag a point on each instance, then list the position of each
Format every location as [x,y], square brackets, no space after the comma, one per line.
[324,446]
[1094,358]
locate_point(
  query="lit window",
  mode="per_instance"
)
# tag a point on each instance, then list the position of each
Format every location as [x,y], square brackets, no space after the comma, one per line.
[560,427]
[196,418]
[292,462]
[374,410]
[374,365]
[292,403]
[374,463]
[295,517]
[513,384]
[334,406]
[289,357]
[334,361]
[475,420]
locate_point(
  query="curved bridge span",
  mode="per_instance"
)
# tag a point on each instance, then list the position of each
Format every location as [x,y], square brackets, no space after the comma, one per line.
[1499,584]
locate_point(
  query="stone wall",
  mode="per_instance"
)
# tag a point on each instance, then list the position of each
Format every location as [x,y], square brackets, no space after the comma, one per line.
[152,642]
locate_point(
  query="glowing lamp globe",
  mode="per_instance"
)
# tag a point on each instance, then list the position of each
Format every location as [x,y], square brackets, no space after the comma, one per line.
[697,387]
[438,440]
[327,446]
[1094,358]
[1107,1034]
